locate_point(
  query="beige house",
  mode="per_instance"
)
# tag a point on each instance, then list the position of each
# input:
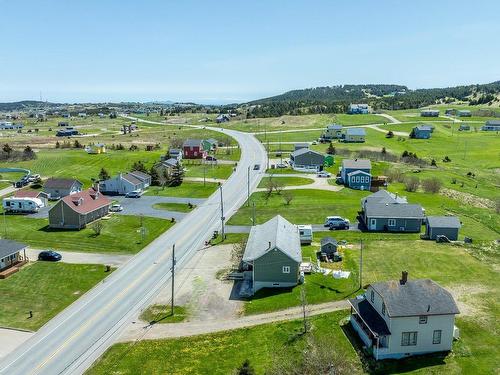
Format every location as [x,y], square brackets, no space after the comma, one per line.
[401,318]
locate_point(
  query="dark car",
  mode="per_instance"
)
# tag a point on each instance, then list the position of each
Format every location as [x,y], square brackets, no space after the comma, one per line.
[256,167]
[50,256]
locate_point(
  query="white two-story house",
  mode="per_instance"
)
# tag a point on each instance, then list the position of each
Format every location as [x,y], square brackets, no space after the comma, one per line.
[401,318]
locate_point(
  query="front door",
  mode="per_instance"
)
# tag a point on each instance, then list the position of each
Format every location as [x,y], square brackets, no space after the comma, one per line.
[373,224]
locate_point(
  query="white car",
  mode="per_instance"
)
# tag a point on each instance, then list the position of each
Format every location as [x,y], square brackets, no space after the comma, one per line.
[279,165]
[314,142]
[324,174]
[116,207]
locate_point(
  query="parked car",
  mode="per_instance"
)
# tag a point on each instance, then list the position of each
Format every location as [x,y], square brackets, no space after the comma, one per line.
[314,142]
[256,167]
[324,174]
[134,194]
[280,165]
[50,256]
[34,178]
[210,158]
[116,207]
[336,222]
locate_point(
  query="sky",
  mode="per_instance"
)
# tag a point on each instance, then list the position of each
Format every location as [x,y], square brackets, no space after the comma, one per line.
[233,51]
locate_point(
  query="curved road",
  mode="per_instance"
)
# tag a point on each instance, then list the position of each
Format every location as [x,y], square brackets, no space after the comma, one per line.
[75,338]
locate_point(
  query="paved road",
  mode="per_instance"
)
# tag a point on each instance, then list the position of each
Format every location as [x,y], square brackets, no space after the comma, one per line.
[76,337]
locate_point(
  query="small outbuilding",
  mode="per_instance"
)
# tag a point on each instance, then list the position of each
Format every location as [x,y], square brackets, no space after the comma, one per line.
[329,246]
[447,226]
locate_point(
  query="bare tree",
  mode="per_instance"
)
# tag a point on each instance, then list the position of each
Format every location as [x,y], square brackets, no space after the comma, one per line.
[287,197]
[97,227]
[278,187]
[269,187]
[431,185]
[412,183]
[176,142]
[305,310]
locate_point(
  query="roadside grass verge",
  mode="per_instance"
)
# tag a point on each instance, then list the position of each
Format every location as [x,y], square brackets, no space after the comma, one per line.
[155,314]
[177,207]
[45,289]
[208,170]
[120,234]
[188,189]
[286,181]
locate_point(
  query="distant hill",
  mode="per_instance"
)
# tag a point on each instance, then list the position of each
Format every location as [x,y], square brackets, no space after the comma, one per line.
[335,99]
[18,106]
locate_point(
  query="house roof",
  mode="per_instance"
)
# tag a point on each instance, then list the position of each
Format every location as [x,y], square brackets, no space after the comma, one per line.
[356,164]
[170,162]
[370,316]
[85,201]
[174,151]
[131,178]
[279,233]
[328,240]
[394,210]
[443,221]
[9,247]
[493,122]
[212,140]
[383,196]
[301,144]
[303,151]
[334,127]
[27,194]
[415,297]
[355,131]
[140,175]
[61,183]
[358,172]
[427,128]
[191,142]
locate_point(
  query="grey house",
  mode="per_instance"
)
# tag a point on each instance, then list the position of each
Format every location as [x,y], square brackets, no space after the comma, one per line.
[298,146]
[429,113]
[384,211]
[273,254]
[442,226]
[354,135]
[9,253]
[308,160]
[491,126]
[61,187]
[329,247]
[333,131]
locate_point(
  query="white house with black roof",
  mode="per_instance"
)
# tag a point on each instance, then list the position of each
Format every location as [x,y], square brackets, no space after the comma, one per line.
[401,318]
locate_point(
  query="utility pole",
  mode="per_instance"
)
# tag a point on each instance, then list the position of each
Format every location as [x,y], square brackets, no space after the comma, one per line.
[4,225]
[204,173]
[222,218]
[361,265]
[248,187]
[173,279]
[253,213]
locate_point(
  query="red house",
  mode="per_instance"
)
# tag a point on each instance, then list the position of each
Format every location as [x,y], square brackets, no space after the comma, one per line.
[192,149]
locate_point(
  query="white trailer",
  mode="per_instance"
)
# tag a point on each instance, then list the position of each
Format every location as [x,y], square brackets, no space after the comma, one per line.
[24,204]
[306,234]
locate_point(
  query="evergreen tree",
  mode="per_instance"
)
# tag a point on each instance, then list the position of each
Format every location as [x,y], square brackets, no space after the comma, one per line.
[245,369]
[28,153]
[177,175]
[331,149]
[155,177]
[7,149]
[103,175]
[139,166]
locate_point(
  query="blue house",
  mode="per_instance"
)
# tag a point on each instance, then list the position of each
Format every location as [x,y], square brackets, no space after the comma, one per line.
[354,135]
[491,126]
[429,113]
[358,109]
[356,173]
[421,132]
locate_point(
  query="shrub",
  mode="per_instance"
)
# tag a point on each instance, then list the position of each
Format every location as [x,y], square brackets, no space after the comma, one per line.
[431,185]
[411,183]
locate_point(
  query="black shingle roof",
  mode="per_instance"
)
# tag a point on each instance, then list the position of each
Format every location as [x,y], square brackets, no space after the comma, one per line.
[415,297]
[370,316]
[9,247]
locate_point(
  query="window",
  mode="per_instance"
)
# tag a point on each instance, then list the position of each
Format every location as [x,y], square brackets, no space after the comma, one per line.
[391,222]
[422,319]
[436,337]
[362,179]
[286,269]
[408,338]
[372,297]
[383,308]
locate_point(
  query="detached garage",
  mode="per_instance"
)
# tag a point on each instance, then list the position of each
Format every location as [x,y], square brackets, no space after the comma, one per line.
[442,226]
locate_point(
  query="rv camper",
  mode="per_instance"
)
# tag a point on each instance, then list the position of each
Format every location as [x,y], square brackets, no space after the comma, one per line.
[23,205]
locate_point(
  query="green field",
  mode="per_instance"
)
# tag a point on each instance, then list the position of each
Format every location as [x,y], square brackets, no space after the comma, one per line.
[286,181]
[45,289]
[120,234]
[162,314]
[208,170]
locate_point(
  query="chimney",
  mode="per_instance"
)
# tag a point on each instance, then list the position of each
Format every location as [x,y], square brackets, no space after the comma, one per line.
[404,278]
[269,245]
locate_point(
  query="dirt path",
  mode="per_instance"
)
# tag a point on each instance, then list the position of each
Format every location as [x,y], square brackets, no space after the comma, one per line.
[390,118]
[375,127]
[173,330]
[320,183]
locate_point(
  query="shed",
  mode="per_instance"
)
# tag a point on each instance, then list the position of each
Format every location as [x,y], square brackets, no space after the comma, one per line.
[329,246]
[442,226]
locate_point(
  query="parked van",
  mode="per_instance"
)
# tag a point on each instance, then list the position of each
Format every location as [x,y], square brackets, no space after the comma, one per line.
[24,205]
[306,234]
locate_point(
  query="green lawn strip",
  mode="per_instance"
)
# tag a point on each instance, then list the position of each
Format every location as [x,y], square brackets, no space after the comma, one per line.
[177,207]
[208,170]
[120,234]
[188,189]
[45,289]
[286,181]
[223,352]
[162,314]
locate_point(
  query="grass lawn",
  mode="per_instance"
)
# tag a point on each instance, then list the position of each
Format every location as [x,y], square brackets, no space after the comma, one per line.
[286,181]
[178,207]
[222,352]
[119,235]
[210,171]
[187,189]
[46,289]
[161,314]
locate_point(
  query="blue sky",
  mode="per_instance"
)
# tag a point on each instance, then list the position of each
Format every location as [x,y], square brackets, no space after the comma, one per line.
[224,51]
